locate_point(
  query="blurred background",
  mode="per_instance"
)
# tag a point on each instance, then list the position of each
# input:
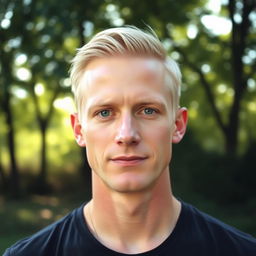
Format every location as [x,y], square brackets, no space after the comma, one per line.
[44,174]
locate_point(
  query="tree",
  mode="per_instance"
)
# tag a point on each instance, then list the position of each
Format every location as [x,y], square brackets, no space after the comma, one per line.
[172,21]
[240,41]
[48,35]
[6,59]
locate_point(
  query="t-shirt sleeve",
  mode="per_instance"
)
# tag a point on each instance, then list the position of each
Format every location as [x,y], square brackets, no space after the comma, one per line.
[46,241]
[7,252]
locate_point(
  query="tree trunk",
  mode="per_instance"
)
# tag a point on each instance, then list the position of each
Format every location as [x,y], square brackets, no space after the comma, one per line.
[43,121]
[14,180]
[42,178]
[2,179]
[233,124]
[238,45]
[14,174]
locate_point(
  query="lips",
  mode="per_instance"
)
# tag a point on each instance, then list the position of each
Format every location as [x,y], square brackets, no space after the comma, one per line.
[128,160]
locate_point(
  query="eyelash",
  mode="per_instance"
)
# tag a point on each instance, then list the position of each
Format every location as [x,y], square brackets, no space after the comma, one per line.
[151,109]
[142,111]
[99,113]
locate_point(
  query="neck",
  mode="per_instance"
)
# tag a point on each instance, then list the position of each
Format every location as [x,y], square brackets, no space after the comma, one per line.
[133,222]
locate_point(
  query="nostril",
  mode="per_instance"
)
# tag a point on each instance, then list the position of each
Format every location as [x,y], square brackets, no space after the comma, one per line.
[134,141]
[128,139]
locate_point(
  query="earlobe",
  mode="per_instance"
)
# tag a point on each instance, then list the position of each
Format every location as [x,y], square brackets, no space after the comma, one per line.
[180,125]
[77,129]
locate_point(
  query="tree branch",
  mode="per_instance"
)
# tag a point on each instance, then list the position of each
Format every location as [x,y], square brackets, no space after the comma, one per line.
[207,88]
[35,99]
[204,83]
[50,110]
[231,8]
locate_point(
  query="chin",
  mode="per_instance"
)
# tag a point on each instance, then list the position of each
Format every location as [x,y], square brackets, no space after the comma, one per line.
[131,185]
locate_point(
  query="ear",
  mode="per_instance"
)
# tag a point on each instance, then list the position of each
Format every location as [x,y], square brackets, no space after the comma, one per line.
[77,129]
[180,125]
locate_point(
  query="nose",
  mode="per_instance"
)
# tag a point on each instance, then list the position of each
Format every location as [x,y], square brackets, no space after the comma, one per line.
[127,133]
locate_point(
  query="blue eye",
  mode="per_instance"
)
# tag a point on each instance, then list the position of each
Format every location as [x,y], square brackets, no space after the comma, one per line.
[105,113]
[149,111]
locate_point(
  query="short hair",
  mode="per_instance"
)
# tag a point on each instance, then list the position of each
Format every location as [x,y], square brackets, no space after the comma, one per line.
[124,41]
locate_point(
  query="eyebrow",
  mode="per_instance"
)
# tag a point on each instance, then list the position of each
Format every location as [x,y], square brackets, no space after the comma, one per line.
[98,106]
[148,103]
[110,103]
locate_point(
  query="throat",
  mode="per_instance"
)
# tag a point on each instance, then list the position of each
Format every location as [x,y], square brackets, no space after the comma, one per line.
[151,226]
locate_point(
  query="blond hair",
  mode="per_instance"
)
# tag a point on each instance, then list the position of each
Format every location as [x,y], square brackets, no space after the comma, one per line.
[123,41]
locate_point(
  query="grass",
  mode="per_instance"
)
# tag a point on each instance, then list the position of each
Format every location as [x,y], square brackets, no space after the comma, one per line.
[24,217]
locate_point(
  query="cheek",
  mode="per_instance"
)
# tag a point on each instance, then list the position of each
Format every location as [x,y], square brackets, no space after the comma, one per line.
[95,154]
[93,136]
[160,134]
[166,141]
[95,142]
[161,142]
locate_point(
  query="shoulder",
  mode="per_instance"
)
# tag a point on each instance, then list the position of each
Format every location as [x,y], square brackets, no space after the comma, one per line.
[45,241]
[221,236]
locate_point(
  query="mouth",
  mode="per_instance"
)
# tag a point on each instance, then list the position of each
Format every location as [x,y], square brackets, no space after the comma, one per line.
[128,160]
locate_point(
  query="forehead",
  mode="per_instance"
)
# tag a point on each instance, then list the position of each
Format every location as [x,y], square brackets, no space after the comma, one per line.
[124,78]
[122,70]
[125,67]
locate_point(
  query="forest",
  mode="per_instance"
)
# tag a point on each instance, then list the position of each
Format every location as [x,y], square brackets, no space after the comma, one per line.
[41,167]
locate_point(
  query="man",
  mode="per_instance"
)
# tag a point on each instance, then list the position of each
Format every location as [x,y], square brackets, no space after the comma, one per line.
[127,96]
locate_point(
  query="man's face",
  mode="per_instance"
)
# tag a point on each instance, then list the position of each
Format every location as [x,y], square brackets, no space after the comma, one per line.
[126,124]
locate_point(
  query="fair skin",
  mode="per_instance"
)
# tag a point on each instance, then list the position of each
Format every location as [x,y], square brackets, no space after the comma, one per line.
[128,130]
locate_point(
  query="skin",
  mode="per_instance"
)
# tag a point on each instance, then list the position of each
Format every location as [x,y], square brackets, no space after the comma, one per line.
[128,129]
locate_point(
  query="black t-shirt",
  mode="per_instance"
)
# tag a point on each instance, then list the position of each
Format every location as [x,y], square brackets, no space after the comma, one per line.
[195,234]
